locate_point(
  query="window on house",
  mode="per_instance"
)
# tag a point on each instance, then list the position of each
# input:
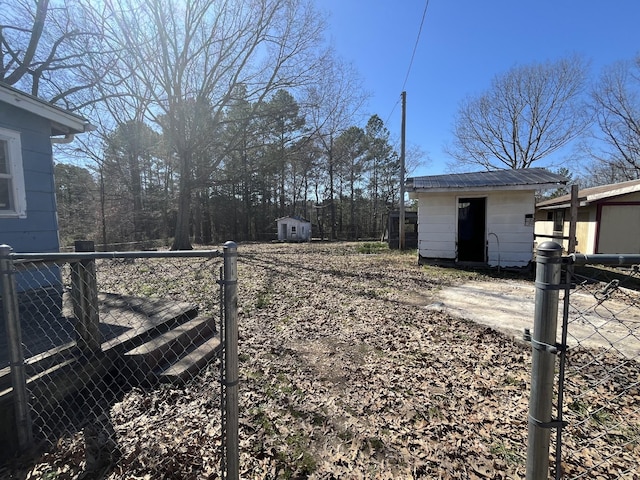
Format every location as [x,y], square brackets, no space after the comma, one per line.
[293,229]
[12,194]
[558,220]
[528,220]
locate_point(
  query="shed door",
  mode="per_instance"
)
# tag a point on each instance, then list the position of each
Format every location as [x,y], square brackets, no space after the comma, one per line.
[472,219]
[283,231]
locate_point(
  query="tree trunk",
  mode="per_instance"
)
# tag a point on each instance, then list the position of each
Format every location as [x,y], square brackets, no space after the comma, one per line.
[197,219]
[332,204]
[136,190]
[352,206]
[182,241]
[103,218]
[319,219]
[207,229]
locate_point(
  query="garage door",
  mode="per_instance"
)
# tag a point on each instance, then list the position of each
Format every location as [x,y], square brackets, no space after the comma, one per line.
[619,230]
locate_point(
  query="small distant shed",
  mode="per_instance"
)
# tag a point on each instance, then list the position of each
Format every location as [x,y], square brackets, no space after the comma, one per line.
[293,229]
[608,219]
[483,218]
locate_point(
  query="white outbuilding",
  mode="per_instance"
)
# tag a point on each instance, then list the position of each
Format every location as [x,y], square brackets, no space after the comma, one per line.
[480,218]
[293,229]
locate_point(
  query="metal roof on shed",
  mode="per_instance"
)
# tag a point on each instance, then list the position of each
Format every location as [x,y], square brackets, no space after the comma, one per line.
[498,179]
[293,217]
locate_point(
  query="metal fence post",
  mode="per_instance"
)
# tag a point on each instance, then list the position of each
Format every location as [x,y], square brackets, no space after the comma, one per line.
[10,311]
[84,294]
[230,282]
[544,348]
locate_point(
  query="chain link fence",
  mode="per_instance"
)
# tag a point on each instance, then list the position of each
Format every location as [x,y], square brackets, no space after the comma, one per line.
[592,371]
[120,360]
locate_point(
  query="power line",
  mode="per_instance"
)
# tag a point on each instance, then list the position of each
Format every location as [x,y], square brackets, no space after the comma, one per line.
[415,47]
[386,122]
[413,54]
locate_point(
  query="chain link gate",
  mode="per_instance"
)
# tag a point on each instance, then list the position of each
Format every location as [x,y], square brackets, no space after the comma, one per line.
[593,370]
[101,348]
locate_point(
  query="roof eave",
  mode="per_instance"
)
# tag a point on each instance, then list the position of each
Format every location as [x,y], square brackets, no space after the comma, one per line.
[612,193]
[486,188]
[557,206]
[62,122]
[586,198]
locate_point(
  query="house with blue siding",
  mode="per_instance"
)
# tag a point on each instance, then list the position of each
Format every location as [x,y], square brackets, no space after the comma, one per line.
[28,126]
[28,216]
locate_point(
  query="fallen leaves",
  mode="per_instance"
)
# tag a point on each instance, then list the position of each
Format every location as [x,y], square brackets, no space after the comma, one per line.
[345,374]
[403,392]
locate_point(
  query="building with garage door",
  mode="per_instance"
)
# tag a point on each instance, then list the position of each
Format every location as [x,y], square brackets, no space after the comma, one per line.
[608,219]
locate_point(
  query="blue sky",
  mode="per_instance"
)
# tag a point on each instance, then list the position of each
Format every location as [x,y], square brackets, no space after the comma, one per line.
[463,45]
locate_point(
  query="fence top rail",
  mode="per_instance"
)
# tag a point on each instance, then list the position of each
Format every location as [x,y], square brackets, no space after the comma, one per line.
[605,259]
[75,256]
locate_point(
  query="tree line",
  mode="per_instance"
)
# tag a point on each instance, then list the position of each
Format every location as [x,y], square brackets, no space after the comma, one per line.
[277,167]
[214,118]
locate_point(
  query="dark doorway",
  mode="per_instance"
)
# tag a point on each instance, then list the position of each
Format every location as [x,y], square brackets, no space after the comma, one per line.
[472,217]
[410,229]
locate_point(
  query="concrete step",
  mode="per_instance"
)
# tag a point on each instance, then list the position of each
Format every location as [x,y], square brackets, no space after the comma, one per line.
[48,389]
[168,347]
[192,362]
[39,363]
[126,323]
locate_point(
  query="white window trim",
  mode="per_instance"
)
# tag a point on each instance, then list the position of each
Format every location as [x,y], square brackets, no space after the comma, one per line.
[17,174]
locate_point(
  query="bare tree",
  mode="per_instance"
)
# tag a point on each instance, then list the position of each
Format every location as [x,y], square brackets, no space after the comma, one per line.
[526,115]
[197,52]
[616,102]
[333,102]
[52,49]
[350,150]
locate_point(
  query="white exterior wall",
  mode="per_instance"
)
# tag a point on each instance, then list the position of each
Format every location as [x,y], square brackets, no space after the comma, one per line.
[437,225]
[586,229]
[510,240]
[544,230]
[301,232]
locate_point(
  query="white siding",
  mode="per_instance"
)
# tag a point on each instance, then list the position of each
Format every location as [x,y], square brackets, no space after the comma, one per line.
[509,237]
[293,229]
[437,226]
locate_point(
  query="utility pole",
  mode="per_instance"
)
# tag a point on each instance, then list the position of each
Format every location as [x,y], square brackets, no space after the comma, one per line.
[402,151]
